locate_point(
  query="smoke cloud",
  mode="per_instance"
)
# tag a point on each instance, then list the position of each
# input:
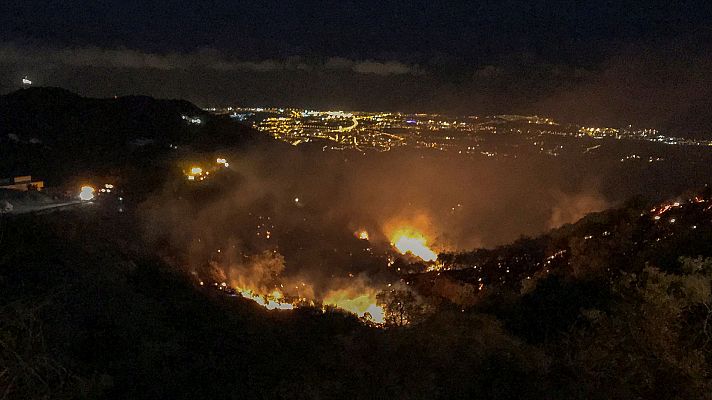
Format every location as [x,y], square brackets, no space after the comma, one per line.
[202,59]
[291,216]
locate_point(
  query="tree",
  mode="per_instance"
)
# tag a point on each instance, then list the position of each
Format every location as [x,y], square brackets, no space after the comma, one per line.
[402,306]
[653,342]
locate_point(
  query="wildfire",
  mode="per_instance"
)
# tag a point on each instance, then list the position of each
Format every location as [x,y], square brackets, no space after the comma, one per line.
[270,302]
[410,241]
[258,279]
[363,305]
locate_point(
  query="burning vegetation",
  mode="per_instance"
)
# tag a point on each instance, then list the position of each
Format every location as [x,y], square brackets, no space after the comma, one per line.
[409,242]
[627,284]
[279,236]
[259,279]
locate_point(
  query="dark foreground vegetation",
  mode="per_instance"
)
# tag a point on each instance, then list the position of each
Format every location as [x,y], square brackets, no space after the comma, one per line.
[88,311]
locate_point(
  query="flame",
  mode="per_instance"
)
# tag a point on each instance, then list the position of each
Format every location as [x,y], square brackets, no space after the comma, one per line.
[87,193]
[410,241]
[270,302]
[363,305]
[362,234]
[258,279]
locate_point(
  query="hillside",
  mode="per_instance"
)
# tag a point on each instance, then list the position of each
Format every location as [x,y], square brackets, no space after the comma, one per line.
[601,245]
[90,311]
[53,133]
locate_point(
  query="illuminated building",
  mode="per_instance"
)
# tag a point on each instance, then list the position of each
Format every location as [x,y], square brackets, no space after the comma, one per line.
[21,183]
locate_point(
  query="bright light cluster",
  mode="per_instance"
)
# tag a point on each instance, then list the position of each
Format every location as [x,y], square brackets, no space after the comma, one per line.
[87,193]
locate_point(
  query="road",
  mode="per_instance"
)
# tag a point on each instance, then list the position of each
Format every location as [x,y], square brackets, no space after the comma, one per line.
[348,128]
[35,208]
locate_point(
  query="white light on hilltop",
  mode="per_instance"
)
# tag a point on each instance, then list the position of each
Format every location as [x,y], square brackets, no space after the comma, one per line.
[26,81]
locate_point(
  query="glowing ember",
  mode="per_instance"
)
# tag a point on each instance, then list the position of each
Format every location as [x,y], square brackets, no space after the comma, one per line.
[408,241]
[363,235]
[87,193]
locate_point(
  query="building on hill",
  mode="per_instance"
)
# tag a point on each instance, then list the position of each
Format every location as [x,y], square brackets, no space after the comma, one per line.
[21,183]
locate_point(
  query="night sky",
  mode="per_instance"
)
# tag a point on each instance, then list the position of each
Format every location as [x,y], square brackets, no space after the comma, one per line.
[647,63]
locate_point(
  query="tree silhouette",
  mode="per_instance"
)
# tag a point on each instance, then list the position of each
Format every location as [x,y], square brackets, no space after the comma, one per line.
[402,306]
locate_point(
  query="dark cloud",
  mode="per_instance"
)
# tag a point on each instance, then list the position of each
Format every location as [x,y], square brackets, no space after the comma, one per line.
[204,59]
[667,85]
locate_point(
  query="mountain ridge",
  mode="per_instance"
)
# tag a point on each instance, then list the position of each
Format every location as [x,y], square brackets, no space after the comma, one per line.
[52,132]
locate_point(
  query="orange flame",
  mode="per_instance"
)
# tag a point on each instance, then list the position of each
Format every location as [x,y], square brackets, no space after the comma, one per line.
[409,241]
[363,305]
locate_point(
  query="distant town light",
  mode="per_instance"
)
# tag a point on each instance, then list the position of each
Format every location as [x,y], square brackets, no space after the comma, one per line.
[192,120]
[26,82]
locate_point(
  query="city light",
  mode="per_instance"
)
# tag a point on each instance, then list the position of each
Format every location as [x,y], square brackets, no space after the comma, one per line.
[385,131]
